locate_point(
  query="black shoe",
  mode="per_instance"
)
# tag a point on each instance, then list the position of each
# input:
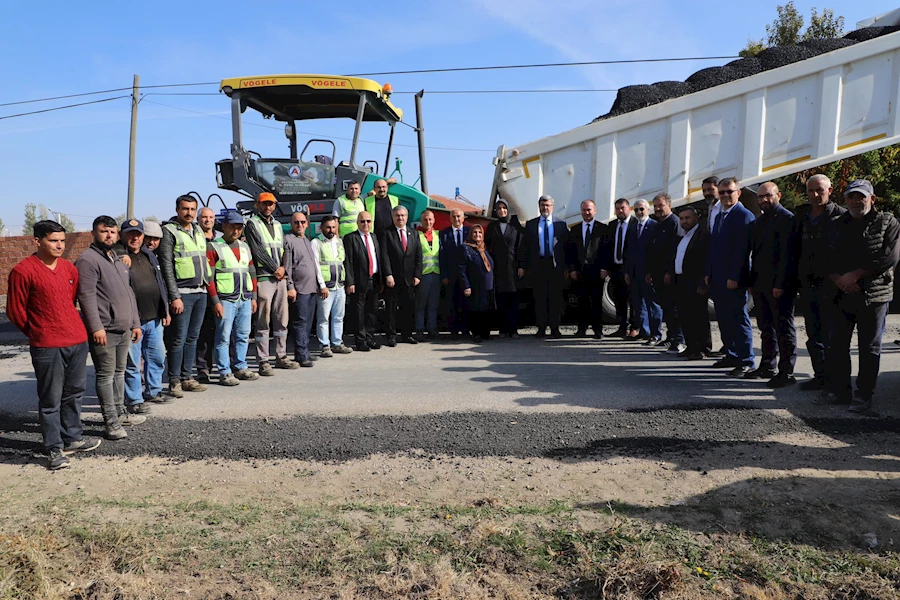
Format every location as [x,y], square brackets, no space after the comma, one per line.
[540,333]
[476,339]
[691,355]
[827,398]
[375,346]
[555,334]
[653,341]
[454,335]
[719,353]
[725,363]
[56,460]
[362,348]
[619,332]
[390,343]
[598,335]
[581,333]
[760,373]
[781,380]
[738,372]
[512,336]
[203,377]
[138,409]
[409,340]
[812,385]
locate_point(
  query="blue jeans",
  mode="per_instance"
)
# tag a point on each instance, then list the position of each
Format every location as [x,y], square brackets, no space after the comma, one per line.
[152,351]
[237,318]
[183,353]
[330,311]
[643,303]
[734,324]
[60,374]
[428,297]
[303,310]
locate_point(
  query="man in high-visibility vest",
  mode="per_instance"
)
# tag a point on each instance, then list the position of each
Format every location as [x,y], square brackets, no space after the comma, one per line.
[266,240]
[185,271]
[380,205]
[232,295]
[329,250]
[428,292]
[347,207]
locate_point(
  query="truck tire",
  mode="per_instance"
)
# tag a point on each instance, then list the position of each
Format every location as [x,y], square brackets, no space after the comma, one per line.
[609,307]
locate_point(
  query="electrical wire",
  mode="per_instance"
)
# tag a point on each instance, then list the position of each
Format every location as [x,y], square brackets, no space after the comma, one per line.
[65,97]
[34,112]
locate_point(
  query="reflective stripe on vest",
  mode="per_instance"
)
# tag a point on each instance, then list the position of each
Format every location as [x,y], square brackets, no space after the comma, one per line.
[331,265]
[192,270]
[350,209]
[430,253]
[370,205]
[233,280]
[274,245]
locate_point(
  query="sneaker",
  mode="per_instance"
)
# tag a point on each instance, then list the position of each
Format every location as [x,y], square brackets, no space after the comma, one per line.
[160,399]
[82,446]
[342,349]
[374,346]
[760,373]
[326,353]
[138,409]
[115,432]
[229,380]
[192,385]
[175,390]
[129,420]
[676,348]
[246,375]
[265,369]
[739,371]
[203,377]
[285,363]
[813,385]
[653,341]
[781,380]
[56,460]
[862,408]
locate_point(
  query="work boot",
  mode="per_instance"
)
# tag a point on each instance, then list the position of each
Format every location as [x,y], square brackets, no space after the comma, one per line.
[160,399]
[115,432]
[246,375]
[128,419]
[326,353]
[229,380]
[138,409]
[192,385]
[265,370]
[342,349]
[813,385]
[56,460]
[285,363]
[203,377]
[175,390]
[862,405]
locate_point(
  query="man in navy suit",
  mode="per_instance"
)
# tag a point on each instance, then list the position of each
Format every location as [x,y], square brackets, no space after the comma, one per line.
[662,249]
[774,276]
[728,276]
[543,258]
[614,258]
[643,296]
[452,240]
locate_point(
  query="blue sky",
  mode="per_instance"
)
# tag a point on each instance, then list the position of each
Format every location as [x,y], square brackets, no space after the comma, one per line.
[76,161]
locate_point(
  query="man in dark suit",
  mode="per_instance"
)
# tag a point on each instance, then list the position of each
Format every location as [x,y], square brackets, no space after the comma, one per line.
[402,273]
[662,249]
[363,260]
[687,276]
[728,276]
[643,296]
[543,258]
[615,254]
[774,282]
[584,258]
[452,240]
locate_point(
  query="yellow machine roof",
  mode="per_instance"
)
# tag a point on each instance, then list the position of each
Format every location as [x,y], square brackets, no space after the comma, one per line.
[299,97]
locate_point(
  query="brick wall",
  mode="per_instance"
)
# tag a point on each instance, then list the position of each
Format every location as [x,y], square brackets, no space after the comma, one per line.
[14,249]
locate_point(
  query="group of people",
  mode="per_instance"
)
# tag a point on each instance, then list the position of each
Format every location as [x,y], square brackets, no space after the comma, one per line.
[183,297]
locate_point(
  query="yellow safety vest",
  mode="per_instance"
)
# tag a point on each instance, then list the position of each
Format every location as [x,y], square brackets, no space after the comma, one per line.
[192,270]
[274,245]
[350,209]
[233,280]
[370,205]
[430,252]
[331,264]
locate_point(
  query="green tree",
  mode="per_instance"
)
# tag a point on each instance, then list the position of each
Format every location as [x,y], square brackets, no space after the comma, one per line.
[787,27]
[31,217]
[67,223]
[824,26]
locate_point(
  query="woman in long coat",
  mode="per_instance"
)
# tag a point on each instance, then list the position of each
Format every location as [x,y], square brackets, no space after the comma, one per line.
[476,277]
[502,239]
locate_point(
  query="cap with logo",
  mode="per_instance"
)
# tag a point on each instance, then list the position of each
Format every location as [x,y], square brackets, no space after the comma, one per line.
[131,225]
[233,217]
[266,197]
[153,229]
[863,186]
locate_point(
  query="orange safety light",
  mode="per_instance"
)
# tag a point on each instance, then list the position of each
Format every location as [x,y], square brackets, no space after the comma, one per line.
[388,89]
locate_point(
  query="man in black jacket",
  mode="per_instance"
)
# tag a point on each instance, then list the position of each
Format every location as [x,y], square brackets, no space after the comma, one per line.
[662,248]
[363,261]
[615,253]
[403,271]
[863,252]
[774,283]
[452,240]
[542,256]
[686,275]
[585,240]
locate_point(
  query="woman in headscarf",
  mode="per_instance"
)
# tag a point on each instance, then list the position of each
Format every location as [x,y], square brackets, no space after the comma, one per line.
[476,273]
[502,239]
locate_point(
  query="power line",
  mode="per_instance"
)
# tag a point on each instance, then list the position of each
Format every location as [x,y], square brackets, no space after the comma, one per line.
[197,112]
[34,112]
[65,97]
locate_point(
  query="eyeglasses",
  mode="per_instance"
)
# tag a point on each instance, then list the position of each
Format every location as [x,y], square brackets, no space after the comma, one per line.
[639,209]
[728,192]
[365,220]
[301,222]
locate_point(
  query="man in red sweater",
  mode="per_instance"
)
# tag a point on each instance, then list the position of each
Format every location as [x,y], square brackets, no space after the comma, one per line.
[41,302]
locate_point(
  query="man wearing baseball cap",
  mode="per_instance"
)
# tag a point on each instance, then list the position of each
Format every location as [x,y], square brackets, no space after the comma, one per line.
[863,252]
[153,311]
[266,241]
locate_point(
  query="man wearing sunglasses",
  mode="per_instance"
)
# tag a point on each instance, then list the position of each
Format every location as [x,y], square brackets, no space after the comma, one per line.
[301,275]
[728,277]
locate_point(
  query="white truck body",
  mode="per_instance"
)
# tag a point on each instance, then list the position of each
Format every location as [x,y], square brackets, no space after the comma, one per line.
[778,122]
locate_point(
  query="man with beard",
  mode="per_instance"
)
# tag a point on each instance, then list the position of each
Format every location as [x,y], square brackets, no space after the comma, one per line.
[662,249]
[710,190]
[346,209]
[111,317]
[380,206]
[206,342]
[330,303]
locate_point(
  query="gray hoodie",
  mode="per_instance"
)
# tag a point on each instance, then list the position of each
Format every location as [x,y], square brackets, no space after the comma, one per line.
[105,294]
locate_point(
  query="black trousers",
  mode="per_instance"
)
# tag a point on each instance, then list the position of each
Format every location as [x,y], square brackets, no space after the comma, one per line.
[206,342]
[547,283]
[400,305]
[621,293]
[852,312]
[665,296]
[362,306]
[508,312]
[458,317]
[480,322]
[589,289]
[694,316]
[303,317]
[775,319]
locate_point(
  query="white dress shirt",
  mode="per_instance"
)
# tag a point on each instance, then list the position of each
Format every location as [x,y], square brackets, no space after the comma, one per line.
[373,256]
[682,248]
[621,232]
[713,211]
[458,238]
[585,227]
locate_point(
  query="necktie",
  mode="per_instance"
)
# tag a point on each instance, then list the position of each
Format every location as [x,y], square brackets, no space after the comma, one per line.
[718,223]
[371,258]
[458,238]
[546,251]
[640,229]
[587,234]
[403,239]
[620,241]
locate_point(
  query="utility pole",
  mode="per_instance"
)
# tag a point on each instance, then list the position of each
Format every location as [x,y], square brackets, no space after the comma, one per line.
[132,147]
